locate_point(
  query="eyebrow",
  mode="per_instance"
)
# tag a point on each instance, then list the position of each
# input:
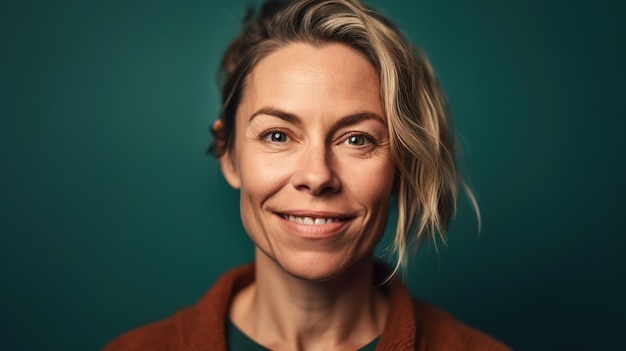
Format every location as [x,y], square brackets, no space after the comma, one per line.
[271,111]
[343,122]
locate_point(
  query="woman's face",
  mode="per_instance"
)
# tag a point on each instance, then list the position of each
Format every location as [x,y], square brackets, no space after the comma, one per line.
[311,158]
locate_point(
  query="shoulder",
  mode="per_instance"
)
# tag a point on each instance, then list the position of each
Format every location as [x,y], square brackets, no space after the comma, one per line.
[162,335]
[200,326]
[438,330]
[413,324]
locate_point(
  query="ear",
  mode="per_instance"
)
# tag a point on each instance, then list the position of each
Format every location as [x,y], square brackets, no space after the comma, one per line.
[230,171]
[226,162]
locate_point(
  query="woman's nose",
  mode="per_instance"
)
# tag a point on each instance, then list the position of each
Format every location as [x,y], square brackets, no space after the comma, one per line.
[315,172]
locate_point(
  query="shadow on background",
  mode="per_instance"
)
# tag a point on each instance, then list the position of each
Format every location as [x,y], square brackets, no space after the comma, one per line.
[113,216]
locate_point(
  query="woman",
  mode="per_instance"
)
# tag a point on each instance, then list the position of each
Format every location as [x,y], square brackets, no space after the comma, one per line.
[327,114]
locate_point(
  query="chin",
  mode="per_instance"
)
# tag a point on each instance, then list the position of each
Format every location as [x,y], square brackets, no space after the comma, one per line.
[315,267]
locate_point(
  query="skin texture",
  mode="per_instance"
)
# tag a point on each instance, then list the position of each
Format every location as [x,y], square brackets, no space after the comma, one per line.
[311,141]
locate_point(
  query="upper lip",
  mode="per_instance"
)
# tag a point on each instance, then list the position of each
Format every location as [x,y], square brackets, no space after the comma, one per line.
[316,214]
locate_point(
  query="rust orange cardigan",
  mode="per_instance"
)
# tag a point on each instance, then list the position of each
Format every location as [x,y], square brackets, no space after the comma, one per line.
[411,324]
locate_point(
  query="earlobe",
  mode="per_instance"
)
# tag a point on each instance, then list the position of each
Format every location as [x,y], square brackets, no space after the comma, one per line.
[230,171]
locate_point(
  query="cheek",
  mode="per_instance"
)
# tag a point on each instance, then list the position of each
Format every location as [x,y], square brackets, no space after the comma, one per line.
[261,176]
[372,182]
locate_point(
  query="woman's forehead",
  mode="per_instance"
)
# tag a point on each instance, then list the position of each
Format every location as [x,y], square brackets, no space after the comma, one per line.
[301,77]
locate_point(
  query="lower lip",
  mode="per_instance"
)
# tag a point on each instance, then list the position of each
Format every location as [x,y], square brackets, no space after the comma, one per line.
[310,231]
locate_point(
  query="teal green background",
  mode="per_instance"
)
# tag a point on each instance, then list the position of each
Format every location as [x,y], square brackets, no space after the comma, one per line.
[112,216]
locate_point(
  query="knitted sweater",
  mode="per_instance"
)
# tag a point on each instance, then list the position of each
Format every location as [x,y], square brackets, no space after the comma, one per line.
[411,324]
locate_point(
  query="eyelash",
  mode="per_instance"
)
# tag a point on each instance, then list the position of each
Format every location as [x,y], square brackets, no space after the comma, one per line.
[268,134]
[369,140]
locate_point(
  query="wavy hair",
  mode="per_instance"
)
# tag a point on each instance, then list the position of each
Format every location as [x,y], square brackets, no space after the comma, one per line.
[420,133]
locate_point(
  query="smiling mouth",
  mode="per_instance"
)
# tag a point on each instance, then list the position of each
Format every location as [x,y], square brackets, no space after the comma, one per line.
[311,220]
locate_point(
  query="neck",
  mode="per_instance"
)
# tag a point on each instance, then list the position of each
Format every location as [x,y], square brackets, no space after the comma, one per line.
[281,311]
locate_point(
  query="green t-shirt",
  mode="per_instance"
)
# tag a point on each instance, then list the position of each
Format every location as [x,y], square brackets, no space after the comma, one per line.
[236,340]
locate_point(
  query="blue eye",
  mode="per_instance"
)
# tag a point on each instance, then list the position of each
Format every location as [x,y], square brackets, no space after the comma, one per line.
[275,136]
[358,140]
[278,137]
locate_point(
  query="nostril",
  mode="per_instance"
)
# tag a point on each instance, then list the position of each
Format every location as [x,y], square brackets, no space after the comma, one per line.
[316,183]
[316,174]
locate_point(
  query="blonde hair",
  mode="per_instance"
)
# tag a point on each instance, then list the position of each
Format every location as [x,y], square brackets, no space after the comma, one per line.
[421,137]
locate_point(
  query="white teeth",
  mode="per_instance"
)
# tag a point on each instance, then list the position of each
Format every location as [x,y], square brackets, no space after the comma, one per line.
[309,220]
